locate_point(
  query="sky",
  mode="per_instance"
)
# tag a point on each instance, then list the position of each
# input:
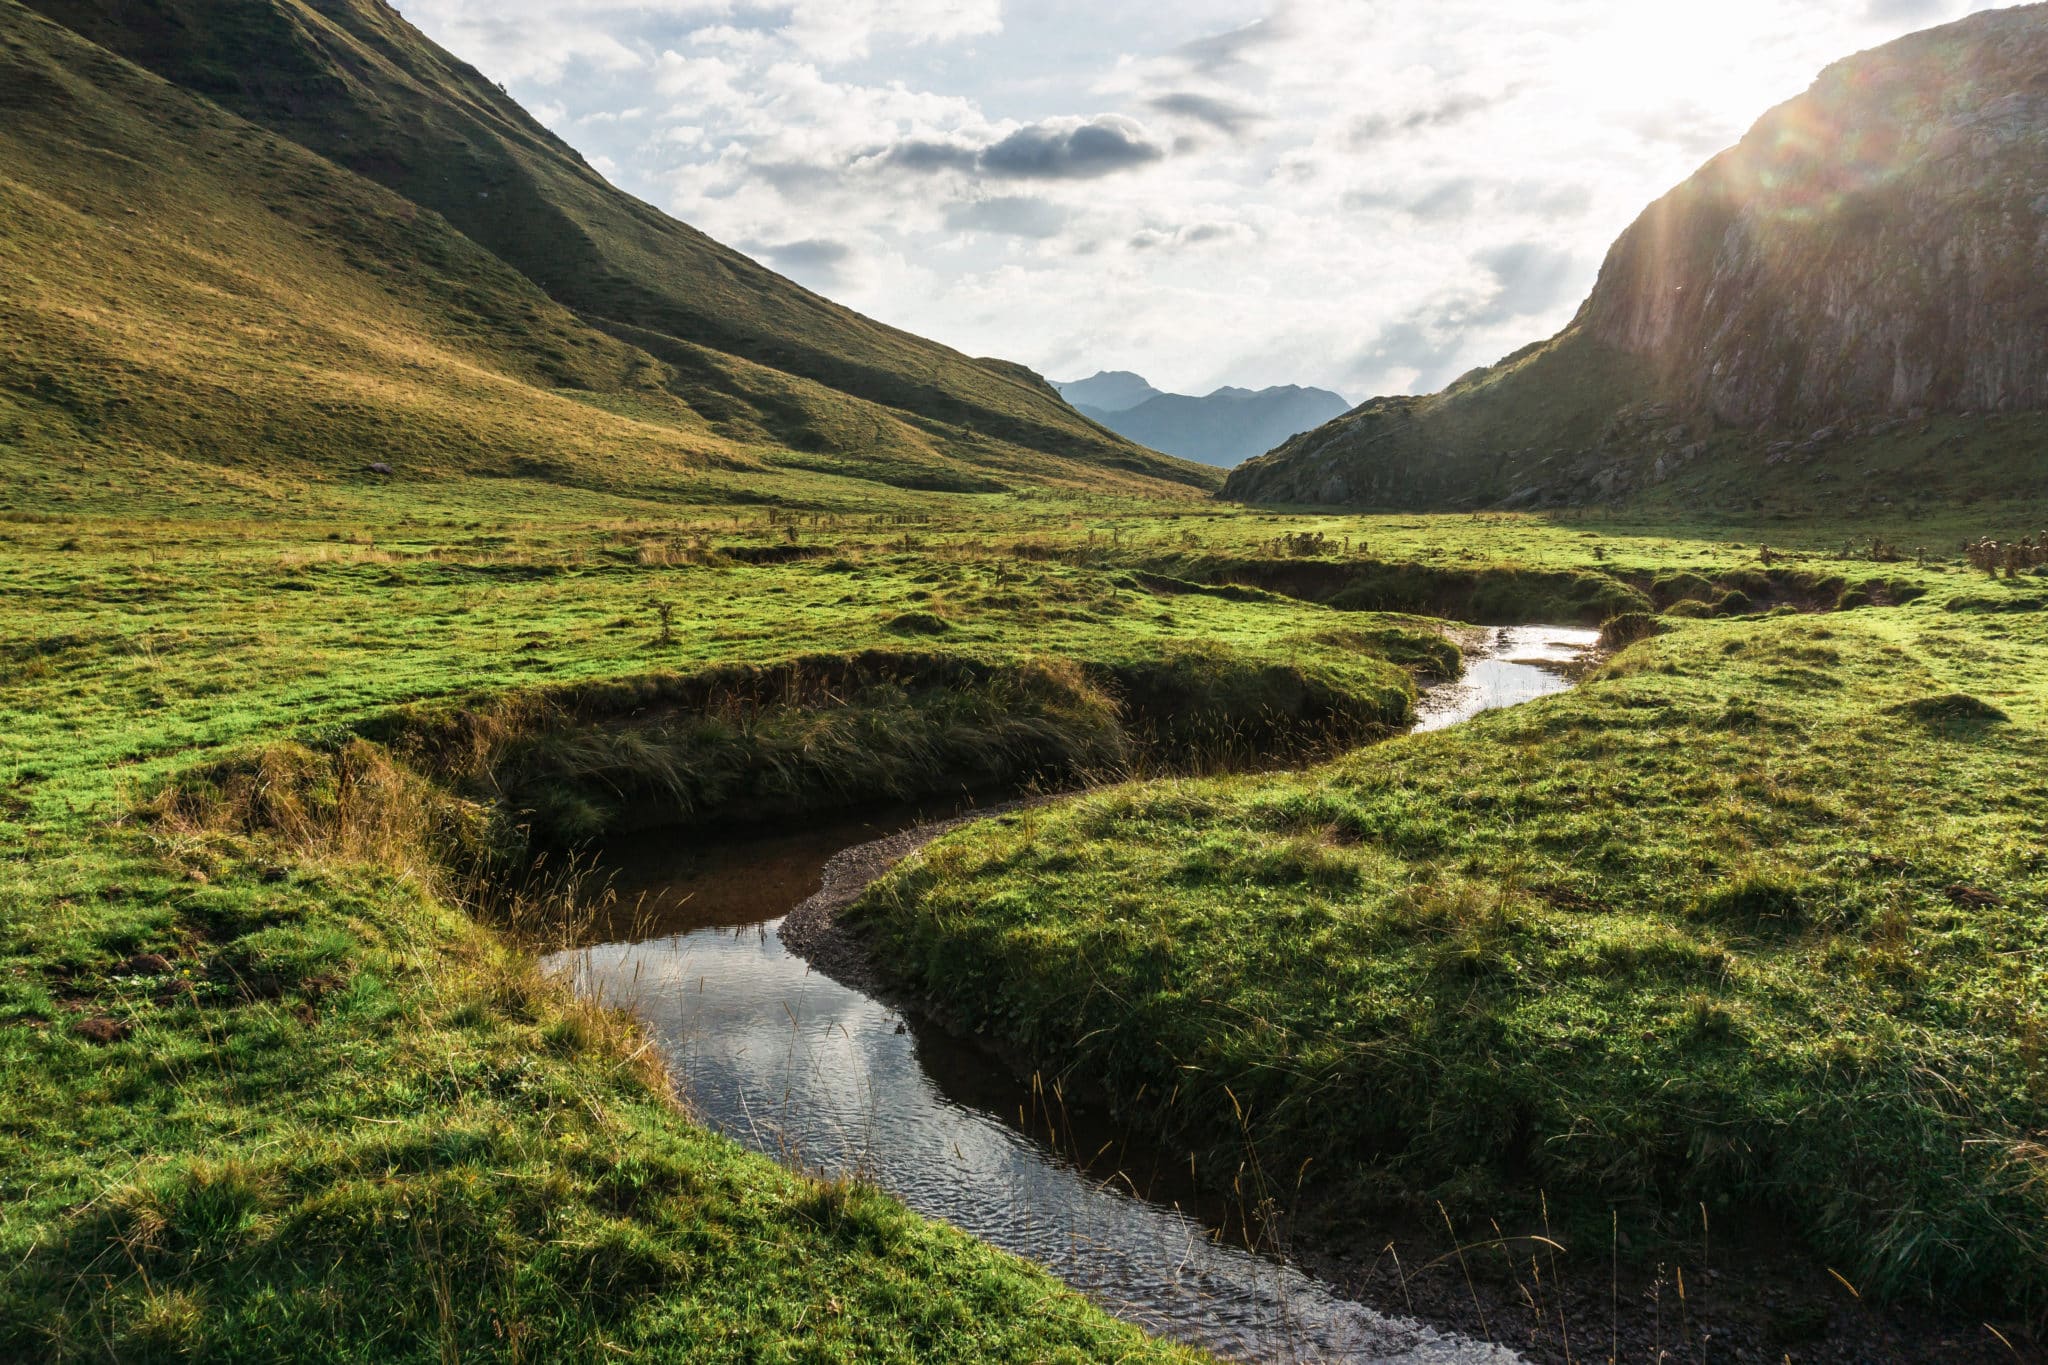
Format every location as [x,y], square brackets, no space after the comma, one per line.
[1371,196]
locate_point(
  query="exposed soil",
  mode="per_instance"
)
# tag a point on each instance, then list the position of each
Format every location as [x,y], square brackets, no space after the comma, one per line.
[1753,1294]
[812,931]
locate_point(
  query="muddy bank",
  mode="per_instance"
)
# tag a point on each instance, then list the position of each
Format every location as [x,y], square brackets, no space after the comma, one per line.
[813,932]
[1752,1294]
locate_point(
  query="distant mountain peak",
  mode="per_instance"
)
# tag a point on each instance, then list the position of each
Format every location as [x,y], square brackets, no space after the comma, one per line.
[1224,428]
[1108,391]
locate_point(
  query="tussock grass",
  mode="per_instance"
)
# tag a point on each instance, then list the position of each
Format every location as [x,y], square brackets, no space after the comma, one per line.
[1697,932]
[342,1013]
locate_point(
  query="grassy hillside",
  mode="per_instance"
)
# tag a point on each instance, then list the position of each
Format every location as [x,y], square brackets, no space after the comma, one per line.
[753,355]
[191,300]
[1576,422]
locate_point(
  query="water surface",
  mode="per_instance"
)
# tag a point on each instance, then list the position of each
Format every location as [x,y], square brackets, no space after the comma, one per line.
[793,1064]
[1506,667]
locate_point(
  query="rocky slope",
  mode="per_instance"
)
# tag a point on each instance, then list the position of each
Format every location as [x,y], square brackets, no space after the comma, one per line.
[1847,296]
[1224,428]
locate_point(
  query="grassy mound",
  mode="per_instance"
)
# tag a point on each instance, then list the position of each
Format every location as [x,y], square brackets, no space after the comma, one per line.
[1714,929]
[321,1113]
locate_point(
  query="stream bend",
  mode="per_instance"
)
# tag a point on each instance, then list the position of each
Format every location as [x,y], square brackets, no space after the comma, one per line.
[794,1064]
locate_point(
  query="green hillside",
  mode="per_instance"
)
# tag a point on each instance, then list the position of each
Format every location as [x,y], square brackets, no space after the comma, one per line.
[755,358]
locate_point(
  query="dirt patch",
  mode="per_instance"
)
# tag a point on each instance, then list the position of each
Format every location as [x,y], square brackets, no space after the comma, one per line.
[812,931]
[102,1029]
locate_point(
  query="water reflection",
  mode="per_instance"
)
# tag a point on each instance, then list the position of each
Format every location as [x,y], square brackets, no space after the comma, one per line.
[795,1065]
[1511,665]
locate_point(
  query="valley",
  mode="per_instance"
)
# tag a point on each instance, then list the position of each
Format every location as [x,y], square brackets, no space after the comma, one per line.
[564,796]
[412,684]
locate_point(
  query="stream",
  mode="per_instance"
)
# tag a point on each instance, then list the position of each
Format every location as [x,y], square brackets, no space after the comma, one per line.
[793,1064]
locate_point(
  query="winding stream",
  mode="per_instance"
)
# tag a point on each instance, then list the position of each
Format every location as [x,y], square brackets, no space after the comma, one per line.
[793,1064]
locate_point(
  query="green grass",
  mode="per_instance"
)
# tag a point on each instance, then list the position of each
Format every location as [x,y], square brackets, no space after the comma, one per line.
[349,1124]
[279,751]
[1753,918]
[356,694]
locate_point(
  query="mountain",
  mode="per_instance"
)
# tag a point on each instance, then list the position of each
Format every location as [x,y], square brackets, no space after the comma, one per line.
[1108,391]
[1848,307]
[420,188]
[1228,426]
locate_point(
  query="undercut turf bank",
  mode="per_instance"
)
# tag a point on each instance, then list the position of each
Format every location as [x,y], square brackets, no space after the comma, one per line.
[283,1096]
[327,1116]
[821,733]
[1754,919]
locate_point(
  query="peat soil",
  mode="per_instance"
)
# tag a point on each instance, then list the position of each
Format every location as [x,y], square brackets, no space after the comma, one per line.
[1751,1293]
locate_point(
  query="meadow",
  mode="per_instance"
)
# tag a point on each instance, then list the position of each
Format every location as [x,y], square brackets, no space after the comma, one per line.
[284,1080]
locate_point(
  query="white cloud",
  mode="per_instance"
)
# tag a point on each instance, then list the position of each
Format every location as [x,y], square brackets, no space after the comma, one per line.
[1368,194]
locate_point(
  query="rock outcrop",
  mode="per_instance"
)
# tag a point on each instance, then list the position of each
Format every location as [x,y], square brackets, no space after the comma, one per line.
[1872,256]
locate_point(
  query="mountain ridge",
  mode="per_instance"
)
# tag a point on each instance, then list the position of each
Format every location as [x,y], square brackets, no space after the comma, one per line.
[753,357]
[1221,428]
[1850,295]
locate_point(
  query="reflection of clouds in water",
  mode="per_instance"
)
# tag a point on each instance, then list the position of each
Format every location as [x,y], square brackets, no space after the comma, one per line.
[794,1064]
[1515,664]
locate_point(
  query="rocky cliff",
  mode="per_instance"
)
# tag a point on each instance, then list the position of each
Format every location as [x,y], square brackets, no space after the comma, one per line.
[1866,272]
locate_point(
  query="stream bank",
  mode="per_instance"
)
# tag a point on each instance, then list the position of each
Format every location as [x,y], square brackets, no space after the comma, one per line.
[833,1080]
[1753,1290]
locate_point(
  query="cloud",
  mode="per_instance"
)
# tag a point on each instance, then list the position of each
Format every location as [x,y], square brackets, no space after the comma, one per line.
[1548,201]
[1464,198]
[1486,312]
[816,257]
[1190,235]
[1010,215]
[1452,199]
[1398,192]
[925,154]
[1072,149]
[1685,125]
[1220,52]
[1224,115]
[838,31]
[1055,149]
[1905,11]
[1532,277]
[1377,128]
